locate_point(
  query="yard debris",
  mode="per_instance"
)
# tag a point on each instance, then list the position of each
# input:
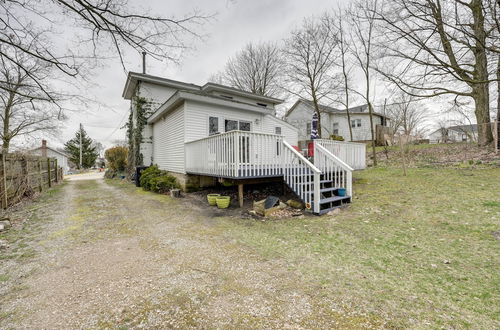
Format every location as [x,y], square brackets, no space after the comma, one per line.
[334,211]
[496,234]
[447,262]
[3,245]
[295,204]
[282,210]
[271,201]
[5,224]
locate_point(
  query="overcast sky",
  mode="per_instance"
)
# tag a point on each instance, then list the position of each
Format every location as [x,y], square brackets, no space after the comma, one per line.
[235,23]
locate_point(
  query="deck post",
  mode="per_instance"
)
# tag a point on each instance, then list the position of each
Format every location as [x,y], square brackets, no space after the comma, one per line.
[236,154]
[240,194]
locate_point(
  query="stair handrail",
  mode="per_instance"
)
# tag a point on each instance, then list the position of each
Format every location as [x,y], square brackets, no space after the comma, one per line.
[340,162]
[316,171]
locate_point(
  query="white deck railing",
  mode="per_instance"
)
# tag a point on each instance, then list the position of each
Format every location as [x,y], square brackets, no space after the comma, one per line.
[333,168]
[301,176]
[236,154]
[352,153]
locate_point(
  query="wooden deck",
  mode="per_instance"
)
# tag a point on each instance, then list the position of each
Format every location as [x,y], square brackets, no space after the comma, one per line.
[239,155]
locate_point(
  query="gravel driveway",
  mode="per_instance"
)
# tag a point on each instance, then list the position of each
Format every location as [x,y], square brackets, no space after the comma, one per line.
[98,255]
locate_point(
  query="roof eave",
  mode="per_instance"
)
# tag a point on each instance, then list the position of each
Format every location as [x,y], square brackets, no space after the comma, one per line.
[212,86]
[182,96]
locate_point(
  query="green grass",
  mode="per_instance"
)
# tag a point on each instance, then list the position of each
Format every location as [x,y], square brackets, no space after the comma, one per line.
[416,249]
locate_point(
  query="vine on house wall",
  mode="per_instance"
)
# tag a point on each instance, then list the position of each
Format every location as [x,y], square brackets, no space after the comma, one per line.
[134,134]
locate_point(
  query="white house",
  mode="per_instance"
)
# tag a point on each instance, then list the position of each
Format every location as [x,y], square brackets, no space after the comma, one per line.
[204,133]
[334,121]
[46,151]
[458,133]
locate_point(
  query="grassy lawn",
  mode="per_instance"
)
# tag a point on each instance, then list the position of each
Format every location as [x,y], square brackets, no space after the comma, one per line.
[418,251]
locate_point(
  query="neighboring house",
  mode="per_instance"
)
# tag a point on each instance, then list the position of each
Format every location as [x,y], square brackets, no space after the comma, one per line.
[46,151]
[201,134]
[334,121]
[457,133]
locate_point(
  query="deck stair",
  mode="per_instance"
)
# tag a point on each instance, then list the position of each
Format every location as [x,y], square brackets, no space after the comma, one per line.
[317,184]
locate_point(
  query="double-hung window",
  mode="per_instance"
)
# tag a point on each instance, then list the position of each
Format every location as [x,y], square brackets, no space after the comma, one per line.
[355,123]
[213,125]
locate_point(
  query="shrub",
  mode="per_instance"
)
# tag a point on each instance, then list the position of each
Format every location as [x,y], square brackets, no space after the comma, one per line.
[117,158]
[109,174]
[336,137]
[148,174]
[163,184]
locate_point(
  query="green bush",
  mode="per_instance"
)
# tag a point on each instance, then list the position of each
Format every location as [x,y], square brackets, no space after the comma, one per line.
[163,184]
[156,180]
[148,174]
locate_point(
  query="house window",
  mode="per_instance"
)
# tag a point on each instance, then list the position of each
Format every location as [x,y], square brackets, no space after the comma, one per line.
[213,125]
[245,126]
[277,130]
[464,137]
[308,128]
[335,129]
[356,123]
[232,125]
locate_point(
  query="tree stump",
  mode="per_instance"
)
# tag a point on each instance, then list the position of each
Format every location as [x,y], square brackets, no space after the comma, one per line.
[176,193]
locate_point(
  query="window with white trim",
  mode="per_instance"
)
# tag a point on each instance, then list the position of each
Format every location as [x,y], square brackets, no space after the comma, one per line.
[213,125]
[335,129]
[355,123]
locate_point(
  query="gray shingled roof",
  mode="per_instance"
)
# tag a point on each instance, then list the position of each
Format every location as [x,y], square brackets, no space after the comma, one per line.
[357,109]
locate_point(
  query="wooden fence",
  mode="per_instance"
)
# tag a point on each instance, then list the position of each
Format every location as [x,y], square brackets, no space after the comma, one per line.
[23,175]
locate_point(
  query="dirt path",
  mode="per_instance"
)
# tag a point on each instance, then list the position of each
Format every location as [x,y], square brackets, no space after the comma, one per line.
[102,256]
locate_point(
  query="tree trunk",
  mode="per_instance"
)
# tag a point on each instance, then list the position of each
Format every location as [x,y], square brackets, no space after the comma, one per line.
[482,102]
[374,153]
[480,89]
[498,102]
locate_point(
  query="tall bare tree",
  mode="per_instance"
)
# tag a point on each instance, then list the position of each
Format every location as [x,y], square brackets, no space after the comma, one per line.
[440,47]
[336,20]
[362,18]
[25,108]
[95,26]
[257,68]
[310,54]
[407,114]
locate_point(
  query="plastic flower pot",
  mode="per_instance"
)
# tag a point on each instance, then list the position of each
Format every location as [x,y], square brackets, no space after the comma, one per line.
[223,202]
[341,192]
[212,199]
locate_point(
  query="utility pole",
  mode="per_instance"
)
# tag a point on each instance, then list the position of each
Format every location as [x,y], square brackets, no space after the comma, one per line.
[81,130]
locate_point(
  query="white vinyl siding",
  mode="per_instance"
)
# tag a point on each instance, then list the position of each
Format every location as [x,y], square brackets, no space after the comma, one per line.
[288,131]
[168,141]
[197,116]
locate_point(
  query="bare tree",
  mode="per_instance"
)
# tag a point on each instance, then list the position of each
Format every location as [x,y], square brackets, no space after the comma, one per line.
[310,54]
[33,28]
[440,47]
[407,114]
[336,21]
[25,106]
[257,68]
[362,17]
